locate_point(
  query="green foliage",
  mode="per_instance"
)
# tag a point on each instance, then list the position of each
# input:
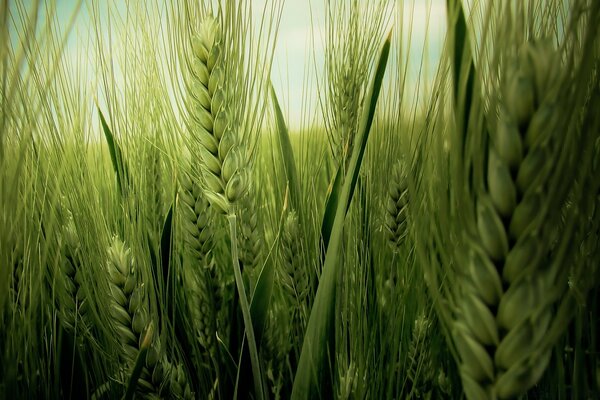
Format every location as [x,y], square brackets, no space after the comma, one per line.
[352,260]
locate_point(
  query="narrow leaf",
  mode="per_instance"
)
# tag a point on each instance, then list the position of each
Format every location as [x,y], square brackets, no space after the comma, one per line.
[165,243]
[260,300]
[319,336]
[333,195]
[287,153]
[116,157]
[463,67]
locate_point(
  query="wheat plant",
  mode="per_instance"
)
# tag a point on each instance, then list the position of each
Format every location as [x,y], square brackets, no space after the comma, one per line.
[425,226]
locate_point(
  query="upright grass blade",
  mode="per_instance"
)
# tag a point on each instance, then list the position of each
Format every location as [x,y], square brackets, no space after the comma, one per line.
[161,262]
[463,67]
[165,244]
[319,336]
[116,157]
[287,153]
[261,298]
[333,195]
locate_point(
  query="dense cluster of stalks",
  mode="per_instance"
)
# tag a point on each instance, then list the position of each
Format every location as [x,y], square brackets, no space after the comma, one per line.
[428,234]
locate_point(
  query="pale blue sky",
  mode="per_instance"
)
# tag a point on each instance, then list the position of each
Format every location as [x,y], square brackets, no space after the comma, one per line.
[292,54]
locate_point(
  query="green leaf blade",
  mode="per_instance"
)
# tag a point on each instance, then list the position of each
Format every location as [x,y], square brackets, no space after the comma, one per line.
[319,338]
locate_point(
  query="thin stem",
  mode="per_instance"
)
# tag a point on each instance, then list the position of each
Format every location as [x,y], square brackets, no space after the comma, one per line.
[258,387]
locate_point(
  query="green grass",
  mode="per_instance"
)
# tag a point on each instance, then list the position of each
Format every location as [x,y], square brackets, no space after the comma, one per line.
[305,296]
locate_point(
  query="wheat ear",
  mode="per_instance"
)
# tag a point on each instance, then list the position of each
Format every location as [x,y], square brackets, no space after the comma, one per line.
[507,305]
[129,309]
[396,207]
[213,128]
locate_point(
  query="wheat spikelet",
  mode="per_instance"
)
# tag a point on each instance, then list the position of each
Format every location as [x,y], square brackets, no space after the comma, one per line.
[351,47]
[396,208]
[348,380]
[128,306]
[174,381]
[251,235]
[129,310]
[443,384]
[276,346]
[197,219]
[73,307]
[420,370]
[294,277]
[346,103]
[212,124]
[505,309]
[208,301]
[162,379]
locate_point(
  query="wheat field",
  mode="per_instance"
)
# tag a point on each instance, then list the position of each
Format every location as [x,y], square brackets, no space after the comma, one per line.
[428,228]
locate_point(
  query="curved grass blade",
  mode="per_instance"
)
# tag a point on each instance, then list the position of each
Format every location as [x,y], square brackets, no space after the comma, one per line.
[319,337]
[261,298]
[463,67]
[161,263]
[333,195]
[116,156]
[287,153]
[165,244]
